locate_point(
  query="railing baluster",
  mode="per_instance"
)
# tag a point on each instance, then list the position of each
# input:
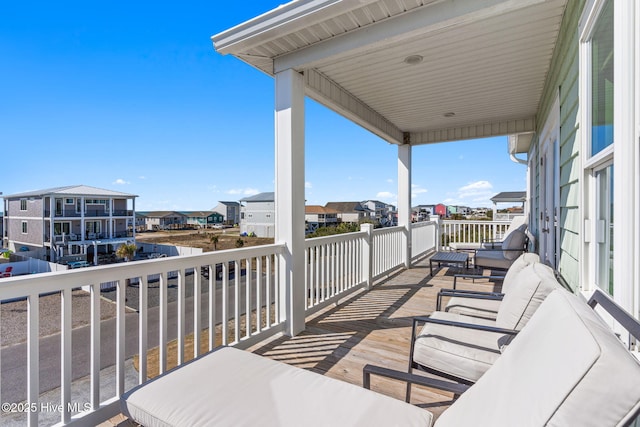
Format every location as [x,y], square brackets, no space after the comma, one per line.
[162,354]
[181,316]
[247,311]
[236,305]
[197,308]
[143,308]
[33,358]
[212,306]
[268,299]
[95,346]
[225,303]
[259,294]
[65,354]
[121,292]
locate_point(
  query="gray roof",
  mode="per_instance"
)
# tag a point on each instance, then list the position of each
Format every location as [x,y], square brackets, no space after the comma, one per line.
[510,196]
[162,214]
[72,190]
[262,197]
[229,203]
[347,207]
[199,214]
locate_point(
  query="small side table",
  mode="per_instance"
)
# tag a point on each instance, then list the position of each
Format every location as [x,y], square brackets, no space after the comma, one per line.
[460,258]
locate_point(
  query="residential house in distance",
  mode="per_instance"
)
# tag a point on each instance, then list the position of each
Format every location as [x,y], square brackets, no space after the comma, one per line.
[230,212]
[258,215]
[203,219]
[353,212]
[164,220]
[57,222]
[442,210]
[378,209]
[320,216]
[140,222]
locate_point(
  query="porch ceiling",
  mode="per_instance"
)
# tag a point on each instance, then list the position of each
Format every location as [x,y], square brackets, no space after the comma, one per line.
[485,61]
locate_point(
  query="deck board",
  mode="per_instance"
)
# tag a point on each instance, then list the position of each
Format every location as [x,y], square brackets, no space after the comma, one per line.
[371,327]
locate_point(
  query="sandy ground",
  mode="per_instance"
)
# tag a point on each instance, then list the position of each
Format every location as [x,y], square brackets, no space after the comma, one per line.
[227,238]
[14,316]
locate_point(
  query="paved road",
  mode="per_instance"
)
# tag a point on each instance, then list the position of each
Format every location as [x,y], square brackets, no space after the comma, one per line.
[14,358]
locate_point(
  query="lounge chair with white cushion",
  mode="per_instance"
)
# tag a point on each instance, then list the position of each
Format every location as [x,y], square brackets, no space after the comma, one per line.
[462,348]
[483,304]
[514,245]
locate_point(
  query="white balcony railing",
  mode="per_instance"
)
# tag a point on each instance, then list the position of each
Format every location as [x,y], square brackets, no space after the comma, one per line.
[471,231]
[244,304]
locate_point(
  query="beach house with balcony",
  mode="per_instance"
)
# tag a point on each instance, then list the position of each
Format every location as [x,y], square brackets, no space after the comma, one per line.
[71,220]
[353,212]
[320,216]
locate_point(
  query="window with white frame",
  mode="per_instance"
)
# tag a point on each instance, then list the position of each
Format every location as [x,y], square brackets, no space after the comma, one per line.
[23,204]
[24,227]
[598,55]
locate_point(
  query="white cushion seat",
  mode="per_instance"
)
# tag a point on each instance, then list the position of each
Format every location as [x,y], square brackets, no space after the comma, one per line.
[231,387]
[488,308]
[512,247]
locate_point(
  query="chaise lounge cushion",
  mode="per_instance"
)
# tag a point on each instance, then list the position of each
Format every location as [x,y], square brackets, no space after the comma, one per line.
[231,387]
[487,308]
[565,368]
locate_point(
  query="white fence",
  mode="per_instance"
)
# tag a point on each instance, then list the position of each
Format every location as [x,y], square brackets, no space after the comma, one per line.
[243,299]
[471,231]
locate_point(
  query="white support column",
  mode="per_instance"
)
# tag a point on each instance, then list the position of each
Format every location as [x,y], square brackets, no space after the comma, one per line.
[289,195]
[625,258]
[404,197]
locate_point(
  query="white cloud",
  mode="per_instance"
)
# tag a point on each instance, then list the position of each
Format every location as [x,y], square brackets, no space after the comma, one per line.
[308,185]
[476,190]
[243,191]
[120,181]
[390,181]
[142,177]
[478,185]
[385,195]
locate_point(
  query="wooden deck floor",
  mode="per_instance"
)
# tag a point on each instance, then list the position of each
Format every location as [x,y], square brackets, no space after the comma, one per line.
[371,327]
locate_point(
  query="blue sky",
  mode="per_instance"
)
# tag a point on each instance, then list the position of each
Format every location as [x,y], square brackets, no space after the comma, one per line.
[132,97]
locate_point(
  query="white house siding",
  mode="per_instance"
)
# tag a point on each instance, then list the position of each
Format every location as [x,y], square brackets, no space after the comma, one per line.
[259,218]
[564,80]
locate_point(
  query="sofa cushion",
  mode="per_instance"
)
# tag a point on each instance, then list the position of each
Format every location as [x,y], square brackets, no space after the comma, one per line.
[565,368]
[516,267]
[492,259]
[464,353]
[485,308]
[531,286]
[231,387]
[513,242]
